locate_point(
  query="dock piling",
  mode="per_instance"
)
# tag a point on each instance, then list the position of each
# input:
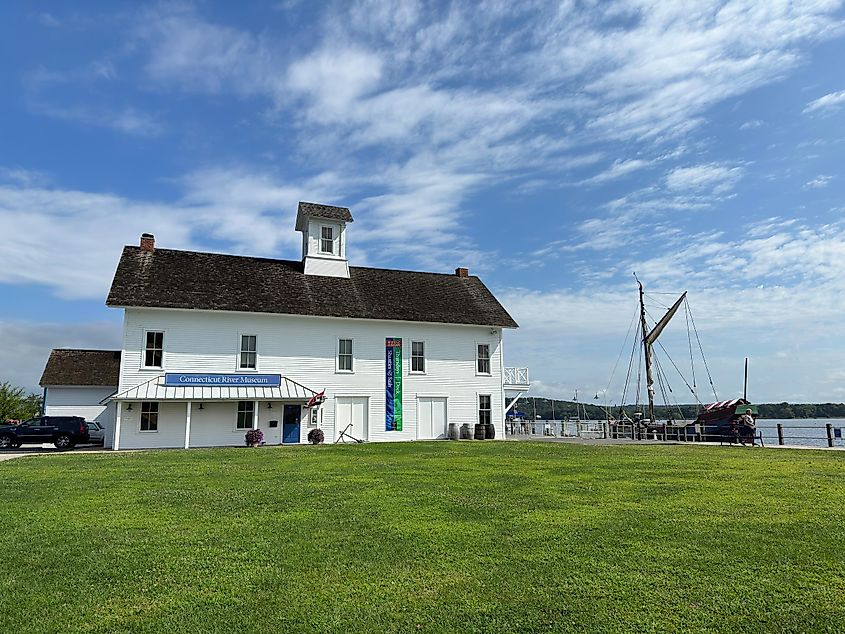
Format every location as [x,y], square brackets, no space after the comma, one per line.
[780,433]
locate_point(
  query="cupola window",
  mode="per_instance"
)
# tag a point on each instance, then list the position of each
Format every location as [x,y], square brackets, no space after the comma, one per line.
[327,240]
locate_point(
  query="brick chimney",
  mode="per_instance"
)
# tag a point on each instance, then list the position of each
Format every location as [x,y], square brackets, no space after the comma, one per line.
[462,272]
[148,242]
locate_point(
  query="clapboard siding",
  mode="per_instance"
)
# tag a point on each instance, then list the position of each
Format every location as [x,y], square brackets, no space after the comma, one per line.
[171,427]
[85,402]
[304,350]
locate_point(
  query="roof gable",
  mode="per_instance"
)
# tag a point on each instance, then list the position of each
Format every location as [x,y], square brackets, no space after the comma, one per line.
[168,278]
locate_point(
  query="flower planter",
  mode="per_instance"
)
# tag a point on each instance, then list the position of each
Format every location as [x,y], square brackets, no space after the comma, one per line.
[254,438]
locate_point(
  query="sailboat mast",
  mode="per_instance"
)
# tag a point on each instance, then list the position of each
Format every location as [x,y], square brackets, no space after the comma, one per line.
[745,382]
[650,337]
[647,351]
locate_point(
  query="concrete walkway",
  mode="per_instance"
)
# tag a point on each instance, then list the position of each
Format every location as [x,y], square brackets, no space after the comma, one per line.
[9,455]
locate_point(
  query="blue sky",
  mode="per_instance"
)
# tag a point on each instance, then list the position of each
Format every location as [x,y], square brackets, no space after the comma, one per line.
[554,148]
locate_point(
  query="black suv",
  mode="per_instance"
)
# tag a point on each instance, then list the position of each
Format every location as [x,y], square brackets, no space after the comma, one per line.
[62,431]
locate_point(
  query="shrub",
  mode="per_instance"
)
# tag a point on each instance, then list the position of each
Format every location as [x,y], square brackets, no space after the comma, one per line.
[254,437]
[15,404]
[316,436]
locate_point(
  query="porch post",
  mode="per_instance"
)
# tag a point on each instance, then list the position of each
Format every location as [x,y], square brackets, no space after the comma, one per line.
[116,443]
[255,414]
[188,426]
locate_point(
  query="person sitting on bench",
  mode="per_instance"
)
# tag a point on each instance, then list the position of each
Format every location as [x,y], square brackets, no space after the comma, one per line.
[747,426]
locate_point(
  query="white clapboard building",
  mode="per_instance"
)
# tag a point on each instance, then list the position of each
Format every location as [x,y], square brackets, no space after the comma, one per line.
[214,345]
[81,383]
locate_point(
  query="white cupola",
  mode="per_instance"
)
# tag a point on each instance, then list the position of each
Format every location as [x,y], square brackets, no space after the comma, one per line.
[323,230]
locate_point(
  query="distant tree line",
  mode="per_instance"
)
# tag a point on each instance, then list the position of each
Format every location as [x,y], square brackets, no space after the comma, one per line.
[547,409]
[16,404]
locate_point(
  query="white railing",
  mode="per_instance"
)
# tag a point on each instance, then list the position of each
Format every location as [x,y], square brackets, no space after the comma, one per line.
[521,428]
[516,376]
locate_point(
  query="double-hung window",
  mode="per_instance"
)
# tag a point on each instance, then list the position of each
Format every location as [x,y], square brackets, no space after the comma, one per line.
[344,355]
[246,412]
[484,409]
[153,349]
[149,416]
[418,356]
[483,358]
[248,357]
[327,240]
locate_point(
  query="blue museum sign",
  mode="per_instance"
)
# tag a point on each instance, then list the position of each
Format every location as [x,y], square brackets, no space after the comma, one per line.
[174,379]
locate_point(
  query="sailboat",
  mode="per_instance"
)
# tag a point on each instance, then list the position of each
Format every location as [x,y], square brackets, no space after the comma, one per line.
[713,421]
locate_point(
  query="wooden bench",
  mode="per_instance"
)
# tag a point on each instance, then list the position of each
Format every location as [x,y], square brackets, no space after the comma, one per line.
[742,439]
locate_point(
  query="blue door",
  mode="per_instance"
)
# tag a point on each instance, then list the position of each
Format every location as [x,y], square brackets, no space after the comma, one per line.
[290,423]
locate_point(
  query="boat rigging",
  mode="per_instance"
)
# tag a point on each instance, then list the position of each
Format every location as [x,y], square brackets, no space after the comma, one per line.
[645,346]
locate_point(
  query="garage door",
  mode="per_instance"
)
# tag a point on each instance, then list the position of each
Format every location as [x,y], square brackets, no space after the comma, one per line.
[431,417]
[351,414]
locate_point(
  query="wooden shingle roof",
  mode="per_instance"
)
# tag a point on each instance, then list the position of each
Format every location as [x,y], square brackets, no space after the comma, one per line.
[166,278]
[316,210]
[82,368]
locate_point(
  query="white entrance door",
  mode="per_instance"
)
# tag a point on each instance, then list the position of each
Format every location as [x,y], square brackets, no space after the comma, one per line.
[270,422]
[352,412]
[431,417]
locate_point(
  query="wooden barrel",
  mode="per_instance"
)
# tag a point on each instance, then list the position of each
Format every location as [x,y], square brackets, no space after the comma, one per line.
[489,431]
[454,432]
[465,435]
[480,431]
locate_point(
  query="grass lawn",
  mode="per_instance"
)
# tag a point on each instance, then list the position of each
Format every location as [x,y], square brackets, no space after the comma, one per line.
[431,537]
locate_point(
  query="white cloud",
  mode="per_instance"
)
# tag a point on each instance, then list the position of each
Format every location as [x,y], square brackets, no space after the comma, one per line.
[617,170]
[122,119]
[768,226]
[821,180]
[46,19]
[188,53]
[46,92]
[714,177]
[657,211]
[23,177]
[827,102]
[90,230]
[335,78]
[663,73]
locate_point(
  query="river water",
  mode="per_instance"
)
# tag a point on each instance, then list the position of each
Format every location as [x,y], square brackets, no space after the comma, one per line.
[806,432]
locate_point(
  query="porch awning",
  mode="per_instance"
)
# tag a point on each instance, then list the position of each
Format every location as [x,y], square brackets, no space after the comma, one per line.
[155,390]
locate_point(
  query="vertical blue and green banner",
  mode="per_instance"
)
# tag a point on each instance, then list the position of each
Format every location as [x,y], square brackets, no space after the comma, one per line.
[393,383]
